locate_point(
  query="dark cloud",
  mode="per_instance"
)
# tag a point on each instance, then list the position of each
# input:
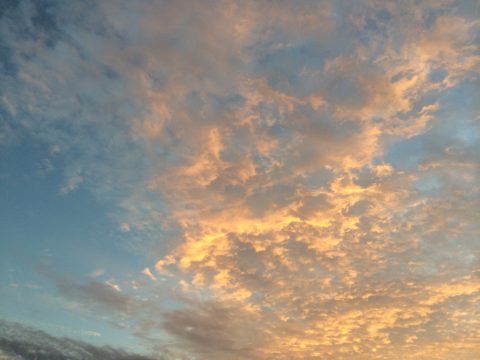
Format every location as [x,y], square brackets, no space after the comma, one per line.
[212,330]
[95,293]
[19,342]
[92,293]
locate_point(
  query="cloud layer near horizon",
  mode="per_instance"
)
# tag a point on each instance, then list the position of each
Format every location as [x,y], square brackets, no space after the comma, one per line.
[305,173]
[18,342]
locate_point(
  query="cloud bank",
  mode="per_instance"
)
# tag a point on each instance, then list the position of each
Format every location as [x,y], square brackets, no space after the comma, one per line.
[18,342]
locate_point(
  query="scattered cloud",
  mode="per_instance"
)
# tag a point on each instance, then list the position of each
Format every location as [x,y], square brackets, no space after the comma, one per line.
[302,176]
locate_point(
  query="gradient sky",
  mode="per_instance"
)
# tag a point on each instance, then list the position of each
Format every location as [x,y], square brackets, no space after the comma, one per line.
[243,179]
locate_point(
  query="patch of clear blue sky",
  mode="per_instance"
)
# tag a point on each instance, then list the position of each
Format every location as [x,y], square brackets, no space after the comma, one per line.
[71,234]
[452,126]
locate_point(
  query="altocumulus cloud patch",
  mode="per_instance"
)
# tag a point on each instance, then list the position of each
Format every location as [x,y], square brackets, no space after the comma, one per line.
[241,179]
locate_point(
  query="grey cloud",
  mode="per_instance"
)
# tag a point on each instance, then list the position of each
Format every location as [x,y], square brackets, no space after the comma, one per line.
[357,209]
[94,293]
[20,342]
[91,294]
[211,329]
[313,204]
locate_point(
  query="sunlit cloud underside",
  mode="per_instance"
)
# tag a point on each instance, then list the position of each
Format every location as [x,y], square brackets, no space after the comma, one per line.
[292,179]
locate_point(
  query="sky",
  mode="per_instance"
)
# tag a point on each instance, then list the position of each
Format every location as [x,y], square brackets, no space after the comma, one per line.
[235,179]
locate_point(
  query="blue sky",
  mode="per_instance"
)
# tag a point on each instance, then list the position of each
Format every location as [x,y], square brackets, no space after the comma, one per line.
[242,179]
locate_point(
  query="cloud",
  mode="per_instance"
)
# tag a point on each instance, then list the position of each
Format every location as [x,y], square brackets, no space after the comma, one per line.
[21,342]
[93,293]
[306,180]
[97,272]
[71,185]
[148,272]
